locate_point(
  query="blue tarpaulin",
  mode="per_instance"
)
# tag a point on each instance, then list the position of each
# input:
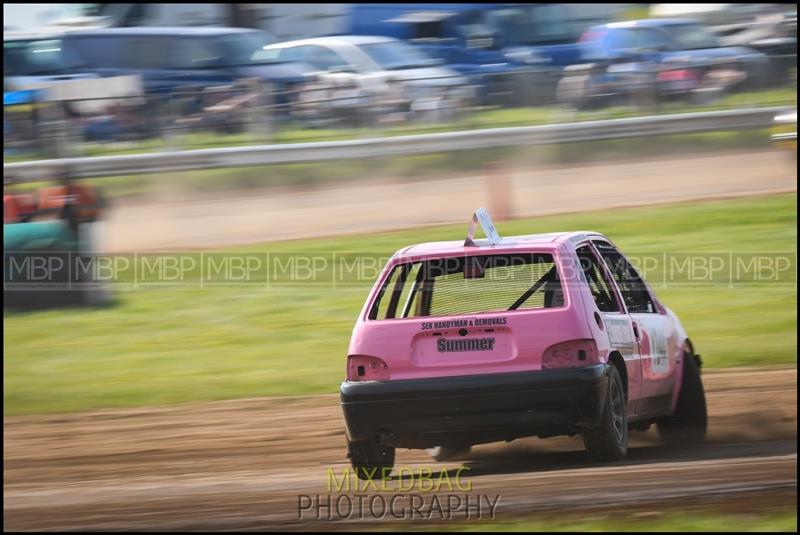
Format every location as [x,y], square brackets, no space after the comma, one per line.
[21,97]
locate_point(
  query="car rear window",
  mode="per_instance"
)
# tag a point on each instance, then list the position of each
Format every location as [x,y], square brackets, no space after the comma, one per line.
[468,285]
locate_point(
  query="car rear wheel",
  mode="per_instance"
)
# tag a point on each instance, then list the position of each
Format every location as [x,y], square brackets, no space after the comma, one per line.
[609,440]
[689,422]
[370,459]
[445,453]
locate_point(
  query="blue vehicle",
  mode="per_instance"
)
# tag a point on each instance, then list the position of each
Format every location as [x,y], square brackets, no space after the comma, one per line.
[649,61]
[171,58]
[684,49]
[504,48]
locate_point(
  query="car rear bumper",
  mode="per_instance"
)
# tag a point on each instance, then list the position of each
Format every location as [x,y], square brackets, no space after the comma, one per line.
[474,409]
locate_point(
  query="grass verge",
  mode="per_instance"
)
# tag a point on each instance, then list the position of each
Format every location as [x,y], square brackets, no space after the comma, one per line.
[674,522]
[169,345]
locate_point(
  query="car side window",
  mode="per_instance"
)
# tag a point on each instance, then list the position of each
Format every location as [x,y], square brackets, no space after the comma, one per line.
[323,58]
[653,39]
[292,53]
[634,292]
[597,279]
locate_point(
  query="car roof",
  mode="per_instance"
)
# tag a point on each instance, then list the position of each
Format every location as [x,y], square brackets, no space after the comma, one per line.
[647,23]
[203,31]
[548,241]
[334,40]
[22,35]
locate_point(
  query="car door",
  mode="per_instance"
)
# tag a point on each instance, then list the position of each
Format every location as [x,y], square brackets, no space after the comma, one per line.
[656,335]
[143,56]
[615,322]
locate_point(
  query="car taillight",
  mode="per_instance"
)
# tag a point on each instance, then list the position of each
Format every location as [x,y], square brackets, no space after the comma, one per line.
[677,75]
[570,354]
[364,368]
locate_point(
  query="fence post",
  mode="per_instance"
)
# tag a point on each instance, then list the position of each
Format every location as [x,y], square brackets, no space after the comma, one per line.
[265,116]
[54,123]
[498,182]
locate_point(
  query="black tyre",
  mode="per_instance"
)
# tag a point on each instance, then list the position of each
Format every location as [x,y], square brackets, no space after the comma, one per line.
[689,422]
[370,459]
[449,453]
[609,440]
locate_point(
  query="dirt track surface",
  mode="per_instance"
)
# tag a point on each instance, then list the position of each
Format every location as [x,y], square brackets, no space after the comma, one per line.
[242,464]
[257,216]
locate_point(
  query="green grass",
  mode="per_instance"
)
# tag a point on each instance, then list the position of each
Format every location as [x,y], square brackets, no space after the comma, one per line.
[157,346]
[670,522]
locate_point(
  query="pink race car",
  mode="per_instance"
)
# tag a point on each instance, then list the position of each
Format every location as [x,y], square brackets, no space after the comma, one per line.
[550,334]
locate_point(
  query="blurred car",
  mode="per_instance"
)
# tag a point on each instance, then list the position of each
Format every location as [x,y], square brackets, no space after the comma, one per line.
[647,62]
[715,14]
[674,44]
[379,69]
[775,35]
[605,83]
[44,62]
[514,53]
[542,335]
[171,58]
[457,34]
[623,82]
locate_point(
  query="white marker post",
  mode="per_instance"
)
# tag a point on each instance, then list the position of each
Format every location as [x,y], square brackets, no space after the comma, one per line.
[481,216]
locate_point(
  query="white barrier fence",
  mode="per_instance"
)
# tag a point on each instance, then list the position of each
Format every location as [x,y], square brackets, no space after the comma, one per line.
[159,162]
